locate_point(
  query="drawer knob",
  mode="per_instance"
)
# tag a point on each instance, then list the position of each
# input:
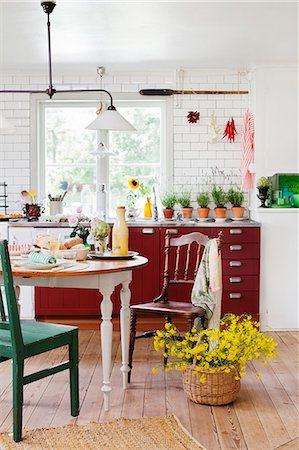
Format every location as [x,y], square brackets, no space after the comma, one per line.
[235,263]
[235,231]
[148,231]
[235,279]
[172,231]
[235,247]
[235,295]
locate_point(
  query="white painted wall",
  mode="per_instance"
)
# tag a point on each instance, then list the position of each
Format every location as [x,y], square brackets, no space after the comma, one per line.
[276,151]
[275,101]
[193,156]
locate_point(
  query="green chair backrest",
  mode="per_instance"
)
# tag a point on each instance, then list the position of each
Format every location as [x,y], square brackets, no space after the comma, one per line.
[12,308]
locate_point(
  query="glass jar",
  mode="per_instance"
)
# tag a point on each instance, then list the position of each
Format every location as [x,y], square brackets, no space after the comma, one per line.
[120,233]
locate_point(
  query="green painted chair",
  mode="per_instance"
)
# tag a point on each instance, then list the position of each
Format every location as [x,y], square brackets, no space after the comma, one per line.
[22,339]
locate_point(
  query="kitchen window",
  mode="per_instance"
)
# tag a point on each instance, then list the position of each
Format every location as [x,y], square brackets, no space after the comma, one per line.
[65,159]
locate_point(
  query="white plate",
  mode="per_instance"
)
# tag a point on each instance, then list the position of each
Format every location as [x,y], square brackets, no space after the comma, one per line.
[26,265]
[220,220]
[130,255]
[203,219]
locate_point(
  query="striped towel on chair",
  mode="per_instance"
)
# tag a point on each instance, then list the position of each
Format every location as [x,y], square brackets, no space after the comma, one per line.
[247,150]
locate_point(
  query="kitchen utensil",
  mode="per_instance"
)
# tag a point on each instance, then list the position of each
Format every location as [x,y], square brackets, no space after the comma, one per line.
[168,92]
[26,197]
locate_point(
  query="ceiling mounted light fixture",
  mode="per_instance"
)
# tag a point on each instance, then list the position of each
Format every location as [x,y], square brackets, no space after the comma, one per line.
[107,120]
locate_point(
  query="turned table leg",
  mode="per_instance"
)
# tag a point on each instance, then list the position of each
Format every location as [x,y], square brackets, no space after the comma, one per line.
[106,339]
[125,297]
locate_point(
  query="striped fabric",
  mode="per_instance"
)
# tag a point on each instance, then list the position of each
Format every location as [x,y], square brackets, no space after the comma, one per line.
[247,150]
[40,258]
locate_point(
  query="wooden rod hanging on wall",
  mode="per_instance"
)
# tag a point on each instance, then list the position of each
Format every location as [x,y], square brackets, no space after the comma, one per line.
[167,92]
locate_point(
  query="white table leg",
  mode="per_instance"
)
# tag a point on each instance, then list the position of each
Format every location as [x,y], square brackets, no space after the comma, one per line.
[125,297]
[106,338]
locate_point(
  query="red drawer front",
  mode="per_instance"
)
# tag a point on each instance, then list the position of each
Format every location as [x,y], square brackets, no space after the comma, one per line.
[234,251]
[244,302]
[240,266]
[238,234]
[58,301]
[239,283]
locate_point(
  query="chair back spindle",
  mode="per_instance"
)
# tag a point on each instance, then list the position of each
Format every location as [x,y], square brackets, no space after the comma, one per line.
[182,259]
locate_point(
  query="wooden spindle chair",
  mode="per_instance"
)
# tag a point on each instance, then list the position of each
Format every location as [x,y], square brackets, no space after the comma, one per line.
[182,259]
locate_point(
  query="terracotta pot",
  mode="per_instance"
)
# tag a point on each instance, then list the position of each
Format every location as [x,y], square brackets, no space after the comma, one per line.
[220,213]
[237,212]
[203,213]
[168,213]
[187,212]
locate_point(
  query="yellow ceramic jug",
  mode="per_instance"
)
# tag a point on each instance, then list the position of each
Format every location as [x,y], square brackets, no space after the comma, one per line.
[120,233]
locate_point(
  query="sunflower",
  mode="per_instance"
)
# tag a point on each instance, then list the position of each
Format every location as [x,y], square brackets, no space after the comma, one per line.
[133,183]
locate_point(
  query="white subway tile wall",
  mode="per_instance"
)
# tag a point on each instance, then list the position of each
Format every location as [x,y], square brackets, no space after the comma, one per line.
[196,162]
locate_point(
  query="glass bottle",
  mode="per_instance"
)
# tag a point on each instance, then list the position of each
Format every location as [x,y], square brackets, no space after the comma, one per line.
[120,233]
[101,202]
[148,208]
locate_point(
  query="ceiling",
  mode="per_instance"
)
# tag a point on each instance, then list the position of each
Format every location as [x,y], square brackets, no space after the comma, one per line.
[148,35]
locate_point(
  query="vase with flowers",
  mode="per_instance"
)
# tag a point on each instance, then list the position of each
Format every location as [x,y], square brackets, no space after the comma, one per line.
[81,226]
[214,360]
[100,231]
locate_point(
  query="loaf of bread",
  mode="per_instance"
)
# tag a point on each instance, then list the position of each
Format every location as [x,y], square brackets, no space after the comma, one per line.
[78,247]
[73,241]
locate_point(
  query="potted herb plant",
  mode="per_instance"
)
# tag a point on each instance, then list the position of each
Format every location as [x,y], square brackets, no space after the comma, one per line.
[203,200]
[168,201]
[263,184]
[184,200]
[213,361]
[236,198]
[220,199]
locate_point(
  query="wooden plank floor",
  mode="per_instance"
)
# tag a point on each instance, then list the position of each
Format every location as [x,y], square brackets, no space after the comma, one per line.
[265,415]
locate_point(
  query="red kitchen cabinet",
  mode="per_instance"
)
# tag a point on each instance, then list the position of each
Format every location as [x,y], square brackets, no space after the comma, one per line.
[85,302]
[241,267]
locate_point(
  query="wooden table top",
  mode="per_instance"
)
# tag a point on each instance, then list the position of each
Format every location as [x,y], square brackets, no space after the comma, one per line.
[89,267]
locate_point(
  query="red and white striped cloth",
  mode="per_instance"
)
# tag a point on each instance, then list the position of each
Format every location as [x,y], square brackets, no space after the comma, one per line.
[247,150]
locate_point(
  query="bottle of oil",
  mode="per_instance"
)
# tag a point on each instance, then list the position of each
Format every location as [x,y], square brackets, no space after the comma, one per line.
[120,233]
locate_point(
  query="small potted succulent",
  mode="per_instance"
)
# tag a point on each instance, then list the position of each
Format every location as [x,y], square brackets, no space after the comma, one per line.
[263,188]
[203,200]
[184,200]
[236,198]
[220,199]
[168,201]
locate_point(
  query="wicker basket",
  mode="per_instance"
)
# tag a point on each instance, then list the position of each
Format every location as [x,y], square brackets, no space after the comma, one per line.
[220,387]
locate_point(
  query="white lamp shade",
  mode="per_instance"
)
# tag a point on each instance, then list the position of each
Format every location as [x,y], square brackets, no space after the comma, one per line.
[110,120]
[5,126]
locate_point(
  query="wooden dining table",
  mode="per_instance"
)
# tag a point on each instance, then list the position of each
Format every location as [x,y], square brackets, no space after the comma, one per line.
[103,275]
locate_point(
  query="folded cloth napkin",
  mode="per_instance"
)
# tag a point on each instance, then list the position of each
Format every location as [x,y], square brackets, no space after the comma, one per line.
[207,289]
[41,258]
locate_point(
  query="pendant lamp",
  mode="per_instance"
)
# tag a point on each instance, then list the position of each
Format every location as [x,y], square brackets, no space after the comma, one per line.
[109,120]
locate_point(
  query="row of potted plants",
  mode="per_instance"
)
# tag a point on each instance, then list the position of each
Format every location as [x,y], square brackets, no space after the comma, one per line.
[219,197]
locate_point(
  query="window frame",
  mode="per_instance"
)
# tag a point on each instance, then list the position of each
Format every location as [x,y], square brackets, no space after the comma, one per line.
[37,139]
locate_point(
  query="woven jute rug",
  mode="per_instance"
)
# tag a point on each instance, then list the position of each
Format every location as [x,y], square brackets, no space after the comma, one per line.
[161,433]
